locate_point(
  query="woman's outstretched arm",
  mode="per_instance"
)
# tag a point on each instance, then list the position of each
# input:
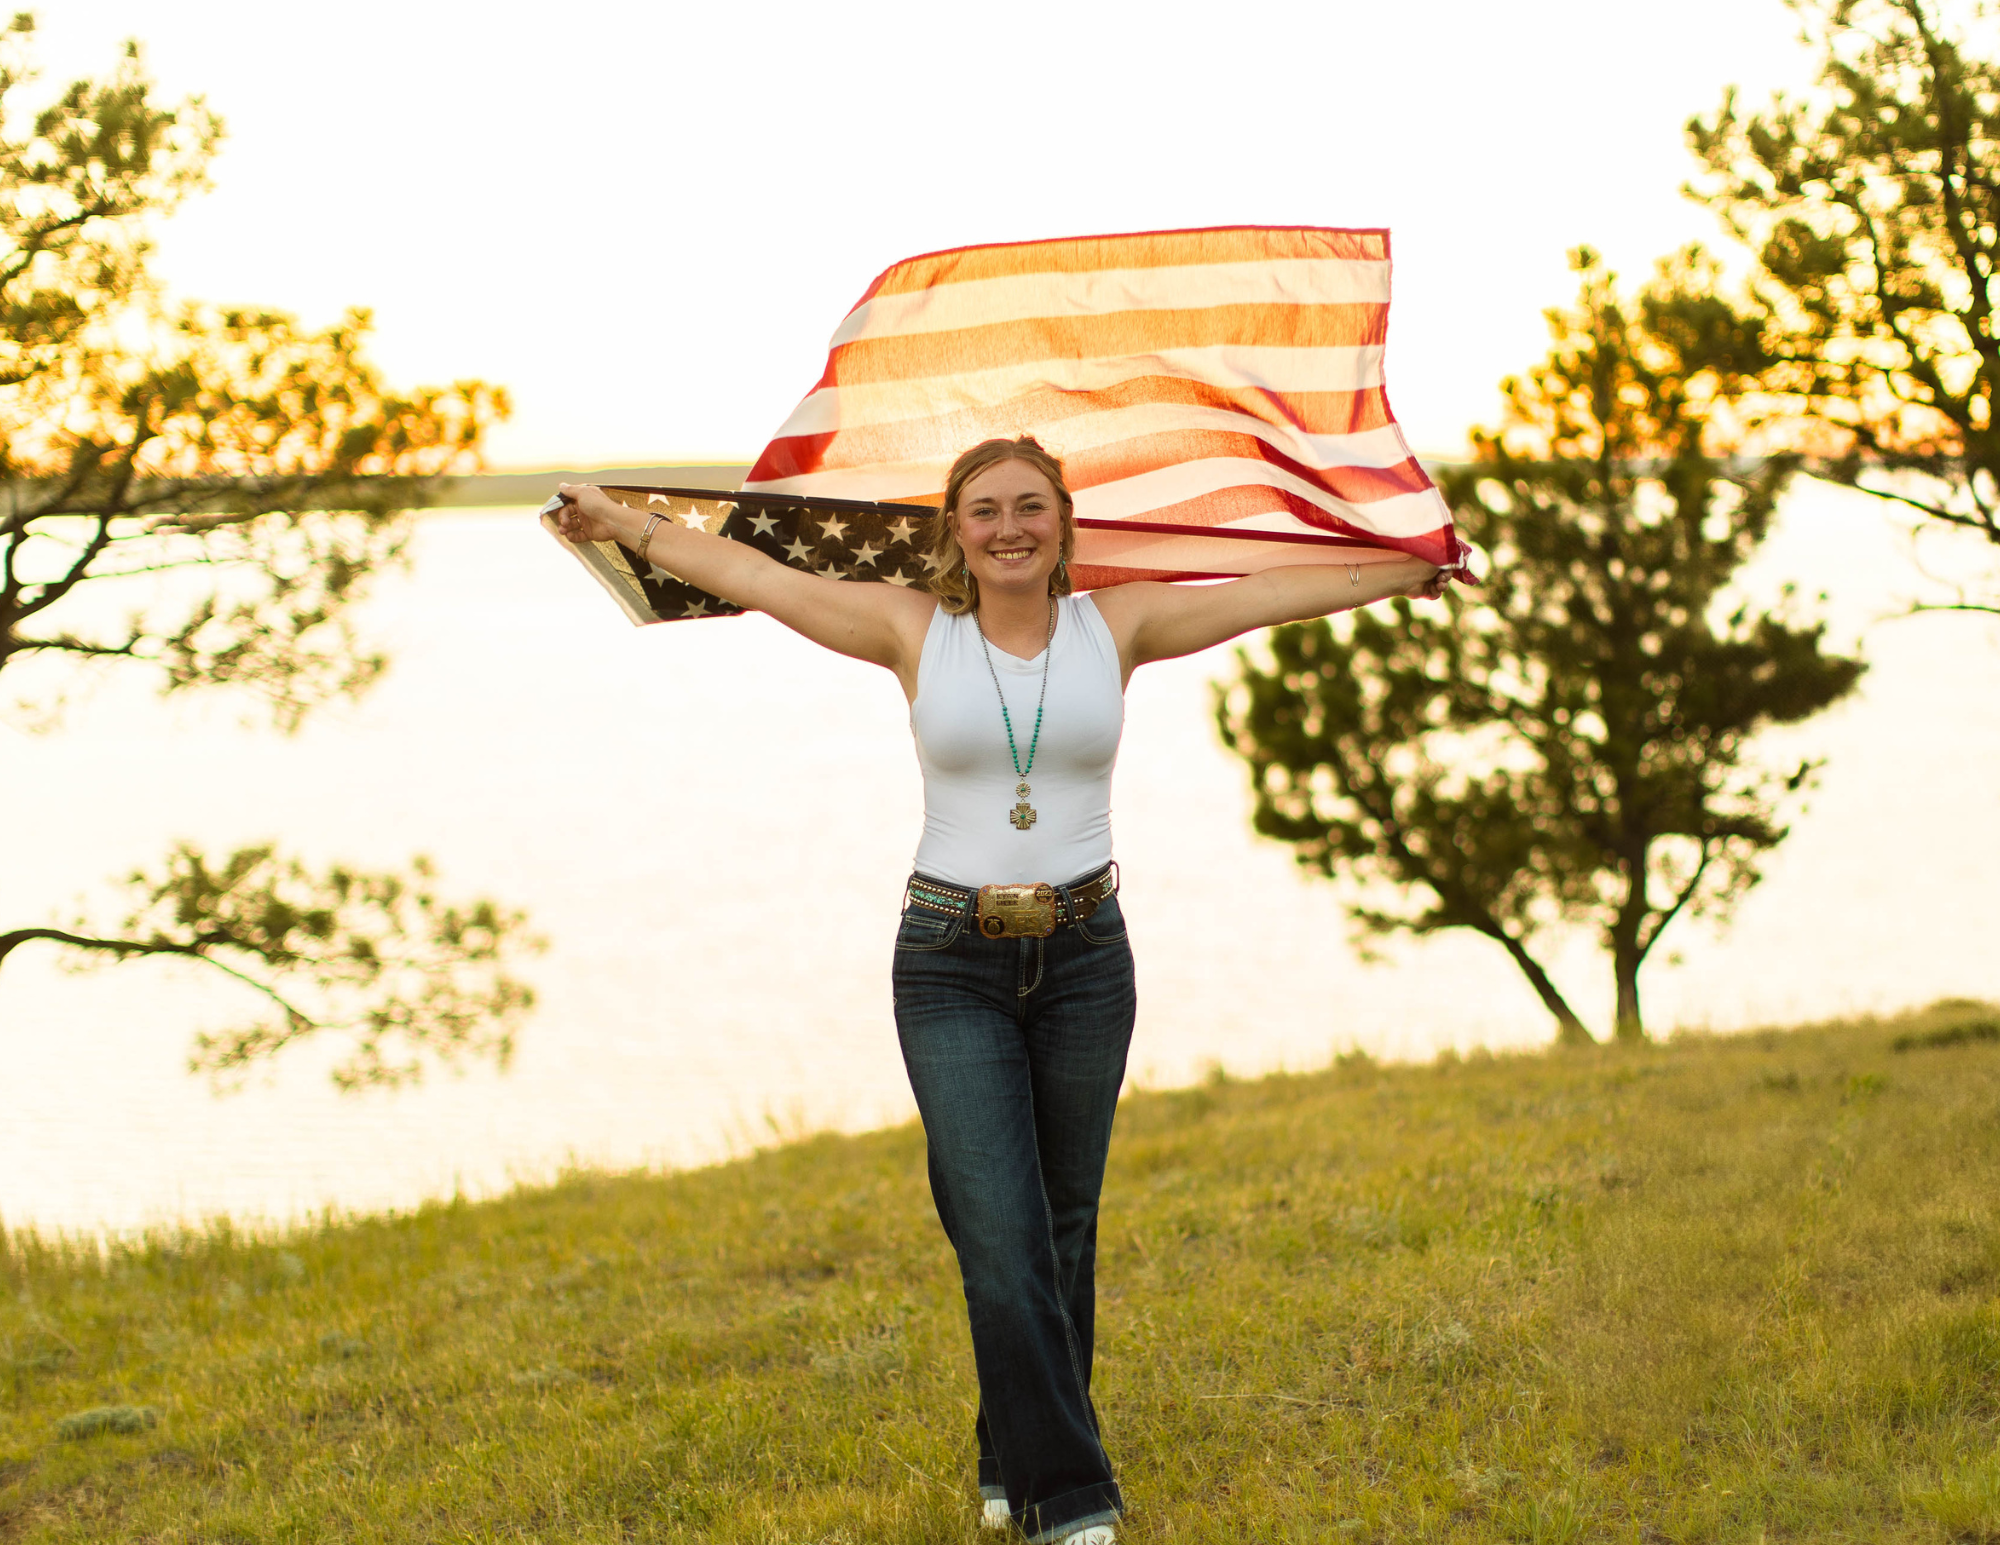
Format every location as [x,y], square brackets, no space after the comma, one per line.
[1152,621]
[882,624]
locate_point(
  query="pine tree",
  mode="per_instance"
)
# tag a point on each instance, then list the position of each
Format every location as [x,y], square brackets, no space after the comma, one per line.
[1569,743]
[273,464]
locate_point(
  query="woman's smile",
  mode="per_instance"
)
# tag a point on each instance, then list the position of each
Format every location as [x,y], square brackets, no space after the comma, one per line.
[1010,526]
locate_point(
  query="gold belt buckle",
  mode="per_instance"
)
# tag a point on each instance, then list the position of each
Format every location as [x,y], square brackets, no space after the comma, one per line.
[1017,911]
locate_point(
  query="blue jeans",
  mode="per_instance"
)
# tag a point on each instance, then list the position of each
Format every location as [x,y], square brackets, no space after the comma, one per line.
[1016,1051]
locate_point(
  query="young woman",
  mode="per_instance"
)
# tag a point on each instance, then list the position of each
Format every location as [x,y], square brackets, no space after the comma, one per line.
[1013,980]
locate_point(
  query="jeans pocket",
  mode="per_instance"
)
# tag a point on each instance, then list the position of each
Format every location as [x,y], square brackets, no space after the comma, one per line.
[1106,925]
[923,929]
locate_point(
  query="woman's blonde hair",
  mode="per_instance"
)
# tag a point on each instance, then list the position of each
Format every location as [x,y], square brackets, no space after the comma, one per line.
[957,591]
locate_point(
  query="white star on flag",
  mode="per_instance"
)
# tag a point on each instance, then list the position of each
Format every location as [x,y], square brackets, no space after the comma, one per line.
[763,525]
[696,609]
[867,552]
[901,528]
[899,578]
[799,551]
[833,527]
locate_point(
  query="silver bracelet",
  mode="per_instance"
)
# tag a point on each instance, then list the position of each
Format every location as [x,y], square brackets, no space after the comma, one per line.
[646,536]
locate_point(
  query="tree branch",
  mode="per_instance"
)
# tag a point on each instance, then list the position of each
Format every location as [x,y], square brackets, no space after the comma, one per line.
[126,949]
[76,646]
[1933,511]
[1649,937]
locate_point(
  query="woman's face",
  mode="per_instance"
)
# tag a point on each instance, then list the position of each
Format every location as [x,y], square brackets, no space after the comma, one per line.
[1009,523]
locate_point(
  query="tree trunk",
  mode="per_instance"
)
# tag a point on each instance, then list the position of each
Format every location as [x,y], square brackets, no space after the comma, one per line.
[1626,955]
[1570,1030]
[1625,966]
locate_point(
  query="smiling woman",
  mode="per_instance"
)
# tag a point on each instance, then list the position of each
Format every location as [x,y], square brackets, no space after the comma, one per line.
[1014,984]
[1016,478]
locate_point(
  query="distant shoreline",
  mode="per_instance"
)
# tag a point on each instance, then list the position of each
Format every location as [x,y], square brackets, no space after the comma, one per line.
[490,488]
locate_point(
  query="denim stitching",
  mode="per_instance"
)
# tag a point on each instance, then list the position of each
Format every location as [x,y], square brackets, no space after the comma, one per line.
[949,930]
[1020,991]
[1064,1530]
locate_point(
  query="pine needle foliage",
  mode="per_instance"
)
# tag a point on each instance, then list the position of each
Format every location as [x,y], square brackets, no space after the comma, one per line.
[239,480]
[1873,208]
[139,438]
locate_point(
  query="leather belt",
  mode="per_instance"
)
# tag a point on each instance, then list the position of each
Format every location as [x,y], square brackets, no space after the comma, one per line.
[1083,898]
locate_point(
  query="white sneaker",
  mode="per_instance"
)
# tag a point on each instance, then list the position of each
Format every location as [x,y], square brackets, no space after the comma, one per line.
[996,1515]
[1096,1534]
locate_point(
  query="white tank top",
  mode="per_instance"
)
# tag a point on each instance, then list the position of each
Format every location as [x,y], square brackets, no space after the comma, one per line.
[968,776]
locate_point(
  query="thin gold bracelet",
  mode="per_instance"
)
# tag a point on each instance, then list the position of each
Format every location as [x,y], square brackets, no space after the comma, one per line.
[647,535]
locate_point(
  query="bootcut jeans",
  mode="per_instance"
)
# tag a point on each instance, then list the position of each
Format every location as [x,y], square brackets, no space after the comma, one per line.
[1016,1051]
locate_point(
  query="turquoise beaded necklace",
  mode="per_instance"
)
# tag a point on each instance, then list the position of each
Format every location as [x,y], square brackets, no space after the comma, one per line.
[1023,813]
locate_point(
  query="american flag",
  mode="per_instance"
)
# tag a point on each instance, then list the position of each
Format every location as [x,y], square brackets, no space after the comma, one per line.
[1216,397]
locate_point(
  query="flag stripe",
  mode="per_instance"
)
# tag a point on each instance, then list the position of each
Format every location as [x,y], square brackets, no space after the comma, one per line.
[1212,519]
[1024,297]
[1210,553]
[1142,453]
[1246,514]
[1101,576]
[1147,249]
[1130,498]
[916,356]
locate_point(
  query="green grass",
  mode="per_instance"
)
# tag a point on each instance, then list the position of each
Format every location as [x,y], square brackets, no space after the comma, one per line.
[1725,1289]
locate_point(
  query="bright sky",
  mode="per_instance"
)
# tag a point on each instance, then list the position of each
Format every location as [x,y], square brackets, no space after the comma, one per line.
[646,221]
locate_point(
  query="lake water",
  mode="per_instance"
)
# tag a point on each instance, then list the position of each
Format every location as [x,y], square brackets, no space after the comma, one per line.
[712,822]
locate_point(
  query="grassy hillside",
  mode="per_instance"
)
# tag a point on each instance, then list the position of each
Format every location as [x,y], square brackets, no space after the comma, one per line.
[1723,1289]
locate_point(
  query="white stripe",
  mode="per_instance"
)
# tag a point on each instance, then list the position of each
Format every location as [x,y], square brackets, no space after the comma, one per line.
[1133,498]
[1282,521]
[1214,554]
[1342,368]
[1182,287]
[1383,447]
